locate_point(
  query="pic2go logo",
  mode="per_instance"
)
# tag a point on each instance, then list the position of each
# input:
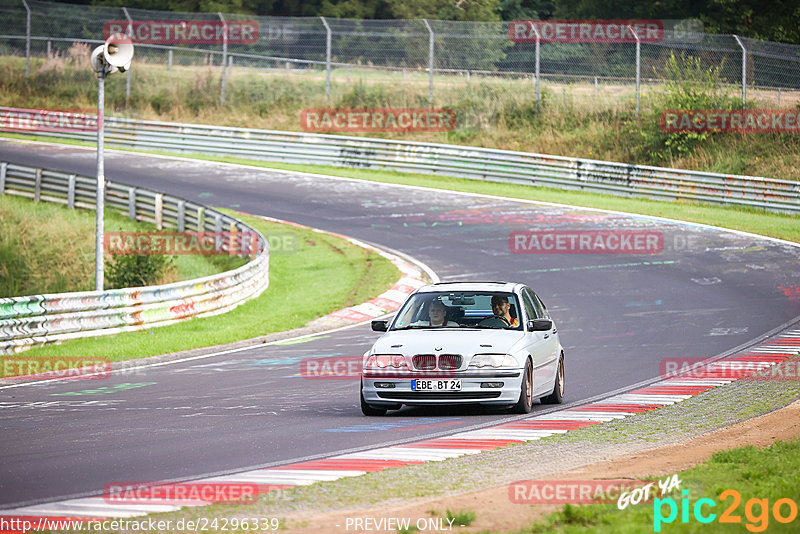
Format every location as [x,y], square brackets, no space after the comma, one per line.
[756,511]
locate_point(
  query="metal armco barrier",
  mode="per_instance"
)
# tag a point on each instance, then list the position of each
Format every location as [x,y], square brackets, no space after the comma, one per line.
[41,319]
[486,164]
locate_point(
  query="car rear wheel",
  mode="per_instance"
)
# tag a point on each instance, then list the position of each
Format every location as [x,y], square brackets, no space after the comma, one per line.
[525,402]
[557,396]
[370,410]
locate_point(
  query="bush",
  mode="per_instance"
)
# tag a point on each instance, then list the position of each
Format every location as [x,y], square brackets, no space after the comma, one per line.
[365,96]
[162,102]
[462,519]
[137,271]
[689,86]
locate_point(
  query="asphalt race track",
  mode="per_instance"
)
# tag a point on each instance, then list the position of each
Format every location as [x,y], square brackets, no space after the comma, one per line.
[619,315]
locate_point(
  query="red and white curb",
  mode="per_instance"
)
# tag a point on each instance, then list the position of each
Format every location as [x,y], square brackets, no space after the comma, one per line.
[657,395]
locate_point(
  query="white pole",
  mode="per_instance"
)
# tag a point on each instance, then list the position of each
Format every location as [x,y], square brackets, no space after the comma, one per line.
[327,59]
[638,65]
[538,39]
[430,61]
[128,74]
[27,39]
[224,56]
[101,185]
[744,71]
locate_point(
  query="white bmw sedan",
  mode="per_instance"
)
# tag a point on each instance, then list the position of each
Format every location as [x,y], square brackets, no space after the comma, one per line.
[490,343]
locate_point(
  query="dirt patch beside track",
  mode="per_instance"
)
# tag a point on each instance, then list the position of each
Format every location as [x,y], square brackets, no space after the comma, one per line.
[496,513]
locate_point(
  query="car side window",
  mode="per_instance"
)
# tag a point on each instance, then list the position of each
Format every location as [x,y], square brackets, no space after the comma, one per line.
[530,309]
[540,307]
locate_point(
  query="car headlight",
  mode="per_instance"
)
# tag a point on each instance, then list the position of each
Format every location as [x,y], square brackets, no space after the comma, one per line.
[386,361]
[492,360]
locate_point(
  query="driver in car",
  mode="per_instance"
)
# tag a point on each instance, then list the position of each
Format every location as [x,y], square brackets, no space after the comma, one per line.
[501,307]
[437,314]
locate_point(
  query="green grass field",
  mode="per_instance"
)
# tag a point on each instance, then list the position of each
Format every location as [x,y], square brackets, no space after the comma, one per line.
[744,486]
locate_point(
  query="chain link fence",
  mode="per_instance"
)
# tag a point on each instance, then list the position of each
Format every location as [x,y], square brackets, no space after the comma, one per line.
[430,54]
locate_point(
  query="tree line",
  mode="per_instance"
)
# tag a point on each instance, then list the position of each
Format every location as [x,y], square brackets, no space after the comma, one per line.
[775,20]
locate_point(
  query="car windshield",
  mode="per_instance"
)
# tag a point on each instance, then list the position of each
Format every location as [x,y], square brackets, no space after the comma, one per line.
[459,309]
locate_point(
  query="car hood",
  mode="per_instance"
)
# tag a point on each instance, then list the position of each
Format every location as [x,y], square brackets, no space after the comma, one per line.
[448,340]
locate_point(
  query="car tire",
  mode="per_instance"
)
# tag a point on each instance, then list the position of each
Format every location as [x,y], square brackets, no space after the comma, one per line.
[370,410]
[525,402]
[557,396]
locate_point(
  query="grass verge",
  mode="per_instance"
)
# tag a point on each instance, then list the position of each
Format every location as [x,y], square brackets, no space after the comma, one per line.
[47,248]
[745,483]
[318,274]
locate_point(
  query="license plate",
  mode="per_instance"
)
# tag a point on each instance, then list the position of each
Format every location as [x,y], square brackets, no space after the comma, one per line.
[436,385]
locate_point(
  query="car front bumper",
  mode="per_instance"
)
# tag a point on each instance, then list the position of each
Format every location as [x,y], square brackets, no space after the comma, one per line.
[397,390]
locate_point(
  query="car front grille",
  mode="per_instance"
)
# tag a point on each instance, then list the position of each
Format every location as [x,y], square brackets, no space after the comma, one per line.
[449,361]
[428,362]
[424,362]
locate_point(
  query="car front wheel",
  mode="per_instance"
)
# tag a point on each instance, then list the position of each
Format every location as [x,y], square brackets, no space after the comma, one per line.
[557,396]
[370,410]
[525,402]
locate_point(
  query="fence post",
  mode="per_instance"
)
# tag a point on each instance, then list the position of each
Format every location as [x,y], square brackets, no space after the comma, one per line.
[638,64]
[430,61]
[201,219]
[744,71]
[37,185]
[128,73]
[536,79]
[49,48]
[217,232]
[71,191]
[224,56]
[327,59]
[158,212]
[181,215]
[169,59]
[132,203]
[3,171]
[27,39]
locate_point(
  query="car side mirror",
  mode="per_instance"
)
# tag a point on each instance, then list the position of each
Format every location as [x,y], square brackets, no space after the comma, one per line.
[380,325]
[539,325]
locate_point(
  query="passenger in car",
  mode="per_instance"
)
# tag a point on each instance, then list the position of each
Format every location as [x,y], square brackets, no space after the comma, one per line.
[501,307]
[437,313]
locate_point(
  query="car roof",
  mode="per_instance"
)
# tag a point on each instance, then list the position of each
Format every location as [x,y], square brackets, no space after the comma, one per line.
[508,287]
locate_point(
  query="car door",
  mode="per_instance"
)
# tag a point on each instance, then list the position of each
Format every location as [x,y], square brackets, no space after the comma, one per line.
[543,345]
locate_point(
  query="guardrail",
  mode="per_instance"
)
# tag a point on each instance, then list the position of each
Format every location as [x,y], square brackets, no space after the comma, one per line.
[451,160]
[41,319]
